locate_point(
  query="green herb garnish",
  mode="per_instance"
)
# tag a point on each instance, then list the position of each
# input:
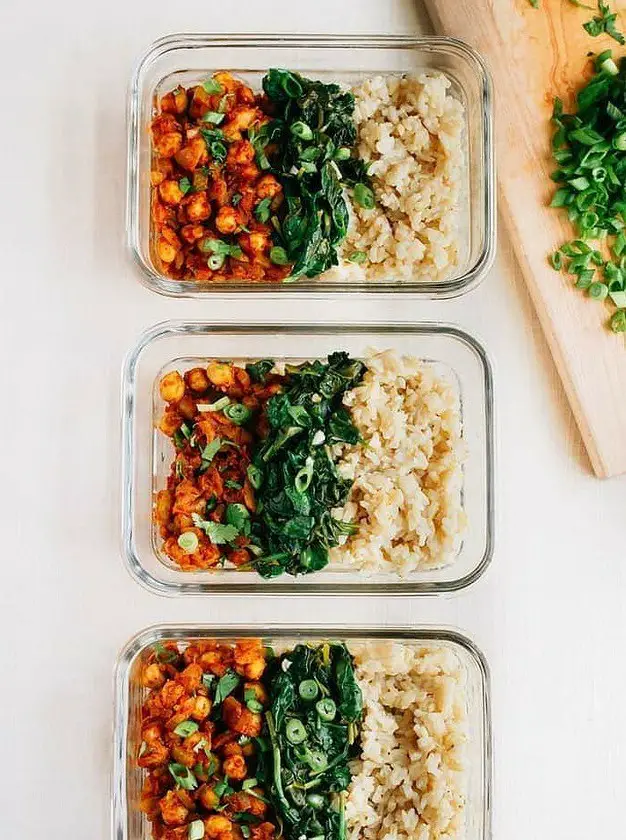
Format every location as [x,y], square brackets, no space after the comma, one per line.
[217,533]
[183,776]
[604,22]
[226,685]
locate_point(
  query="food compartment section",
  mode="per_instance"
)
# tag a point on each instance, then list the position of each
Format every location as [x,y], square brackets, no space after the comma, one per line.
[224,733]
[356,164]
[266,459]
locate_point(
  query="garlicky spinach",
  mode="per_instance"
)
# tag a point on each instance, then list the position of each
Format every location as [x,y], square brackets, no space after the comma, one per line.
[312,726]
[297,478]
[313,134]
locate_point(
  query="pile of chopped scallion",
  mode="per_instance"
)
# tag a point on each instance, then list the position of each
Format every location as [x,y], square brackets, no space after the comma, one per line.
[589,147]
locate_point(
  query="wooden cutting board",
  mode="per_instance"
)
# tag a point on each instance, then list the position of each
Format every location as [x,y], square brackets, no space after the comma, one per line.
[534,55]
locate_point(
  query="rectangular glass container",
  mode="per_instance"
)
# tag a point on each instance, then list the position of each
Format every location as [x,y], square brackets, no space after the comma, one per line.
[147,453]
[186,59]
[129,824]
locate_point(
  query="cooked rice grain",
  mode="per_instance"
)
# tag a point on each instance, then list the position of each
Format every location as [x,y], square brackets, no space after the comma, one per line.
[406,495]
[410,781]
[410,129]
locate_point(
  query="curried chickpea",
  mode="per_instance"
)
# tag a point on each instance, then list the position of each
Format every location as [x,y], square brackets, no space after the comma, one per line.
[197,379]
[220,374]
[172,387]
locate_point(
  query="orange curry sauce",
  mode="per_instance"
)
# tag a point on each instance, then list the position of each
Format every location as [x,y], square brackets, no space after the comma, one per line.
[206,185]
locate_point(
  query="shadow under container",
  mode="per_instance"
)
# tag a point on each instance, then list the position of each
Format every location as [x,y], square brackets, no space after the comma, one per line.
[186,59]
[147,453]
[130,824]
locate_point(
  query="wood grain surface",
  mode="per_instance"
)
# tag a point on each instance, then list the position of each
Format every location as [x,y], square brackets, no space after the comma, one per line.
[535,55]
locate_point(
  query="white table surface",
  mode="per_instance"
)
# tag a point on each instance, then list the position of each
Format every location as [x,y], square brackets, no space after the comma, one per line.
[549,613]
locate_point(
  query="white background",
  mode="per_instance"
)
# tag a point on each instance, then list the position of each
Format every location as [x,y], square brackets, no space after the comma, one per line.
[549,613]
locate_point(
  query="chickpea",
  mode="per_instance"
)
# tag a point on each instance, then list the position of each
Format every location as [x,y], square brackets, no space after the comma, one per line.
[240,119]
[239,557]
[187,407]
[152,676]
[227,81]
[259,691]
[216,825]
[192,154]
[198,207]
[163,511]
[227,219]
[235,767]
[166,251]
[168,144]
[208,798]
[197,379]
[240,152]
[191,677]
[170,422]
[174,102]
[268,187]
[202,706]
[172,387]
[170,192]
[172,809]
[191,233]
[220,374]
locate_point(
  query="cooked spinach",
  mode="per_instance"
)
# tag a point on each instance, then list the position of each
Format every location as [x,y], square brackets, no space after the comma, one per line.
[313,134]
[306,773]
[295,470]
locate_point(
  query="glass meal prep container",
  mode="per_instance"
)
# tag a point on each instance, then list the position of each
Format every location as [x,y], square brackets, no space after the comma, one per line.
[148,453]
[186,59]
[128,823]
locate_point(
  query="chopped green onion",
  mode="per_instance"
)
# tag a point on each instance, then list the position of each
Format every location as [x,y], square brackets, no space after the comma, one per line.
[618,298]
[556,260]
[364,196]
[304,476]
[213,117]
[188,541]
[358,257]
[295,731]
[249,783]
[185,185]
[211,86]
[326,709]
[215,261]
[196,830]
[598,291]
[301,130]
[218,405]
[238,413]
[308,690]
[342,153]
[618,321]
[316,760]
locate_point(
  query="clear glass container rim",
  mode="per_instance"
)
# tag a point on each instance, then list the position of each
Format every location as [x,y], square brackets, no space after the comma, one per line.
[181,327]
[303,289]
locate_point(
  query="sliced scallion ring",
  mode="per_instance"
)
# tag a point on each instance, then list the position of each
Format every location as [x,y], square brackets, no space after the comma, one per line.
[295,731]
[196,830]
[188,541]
[326,709]
[238,413]
[308,690]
